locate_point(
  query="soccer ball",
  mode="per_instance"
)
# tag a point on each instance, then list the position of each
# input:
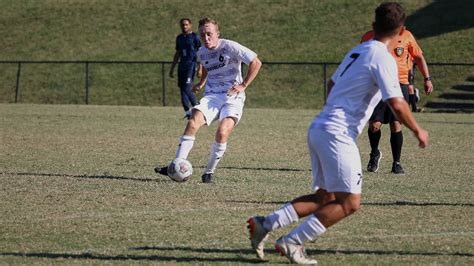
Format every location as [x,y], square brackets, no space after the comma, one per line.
[180,170]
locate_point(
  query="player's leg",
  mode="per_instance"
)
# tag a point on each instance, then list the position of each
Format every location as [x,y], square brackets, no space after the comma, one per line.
[188,93]
[396,136]
[342,174]
[259,226]
[396,143]
[374,133]
[182,78]
[230,114]
[204,113]
[186,141]
[218,148]
[412,98]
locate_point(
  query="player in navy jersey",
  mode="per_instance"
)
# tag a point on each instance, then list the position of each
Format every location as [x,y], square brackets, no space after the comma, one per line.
[224,94]
[187,44]
[367,75]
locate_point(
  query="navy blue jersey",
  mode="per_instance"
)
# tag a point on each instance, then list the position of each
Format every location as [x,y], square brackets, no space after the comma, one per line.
[187,46]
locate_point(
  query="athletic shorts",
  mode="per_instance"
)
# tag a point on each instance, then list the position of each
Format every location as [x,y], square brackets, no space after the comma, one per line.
[382,112]
[219,106]
[335,162]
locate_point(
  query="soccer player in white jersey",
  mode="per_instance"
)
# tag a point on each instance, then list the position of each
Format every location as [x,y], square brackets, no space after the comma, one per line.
[367,74]
[224,94]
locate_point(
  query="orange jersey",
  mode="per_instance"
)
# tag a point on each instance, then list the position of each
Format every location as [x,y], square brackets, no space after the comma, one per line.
[404,48]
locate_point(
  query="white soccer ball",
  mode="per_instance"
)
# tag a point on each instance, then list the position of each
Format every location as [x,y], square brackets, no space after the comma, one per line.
[180,170]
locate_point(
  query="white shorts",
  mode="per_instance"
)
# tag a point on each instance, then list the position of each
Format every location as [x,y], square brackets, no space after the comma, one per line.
[335,162]
[219,106]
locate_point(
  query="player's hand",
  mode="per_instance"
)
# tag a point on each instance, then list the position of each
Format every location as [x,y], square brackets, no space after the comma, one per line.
[428,87]
[422,136]
[236,89]
[196,88]
[171,74]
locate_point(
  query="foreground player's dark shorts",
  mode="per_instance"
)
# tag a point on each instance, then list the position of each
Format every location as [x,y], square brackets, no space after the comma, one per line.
[382,111]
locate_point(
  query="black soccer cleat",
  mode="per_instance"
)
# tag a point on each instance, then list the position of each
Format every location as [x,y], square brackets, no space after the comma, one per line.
[207,178]
[374,161]
[397,168]
[161,170]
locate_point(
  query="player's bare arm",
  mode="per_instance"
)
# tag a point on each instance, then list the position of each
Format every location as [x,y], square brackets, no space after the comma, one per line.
[175,61]
[423,67]
[199,71]
[400,108]
[252,72]
[202,81]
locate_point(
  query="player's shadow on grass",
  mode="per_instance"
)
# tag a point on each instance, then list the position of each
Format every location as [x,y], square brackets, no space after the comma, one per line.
[310,251]
[128,257]
[282,169]
[238,252]
[394,203]
[103,176]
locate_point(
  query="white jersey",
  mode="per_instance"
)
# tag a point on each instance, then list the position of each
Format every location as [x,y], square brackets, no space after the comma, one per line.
[367,74]
[223,65]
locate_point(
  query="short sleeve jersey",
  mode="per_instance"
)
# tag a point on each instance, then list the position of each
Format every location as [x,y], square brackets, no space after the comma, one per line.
[402,48]
[223,64]
[367,74]
[187,45]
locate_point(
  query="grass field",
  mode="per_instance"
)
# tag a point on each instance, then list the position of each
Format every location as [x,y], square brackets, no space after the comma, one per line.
[77,187]
[145,30]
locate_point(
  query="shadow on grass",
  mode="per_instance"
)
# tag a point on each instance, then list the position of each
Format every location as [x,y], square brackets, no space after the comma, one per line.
[395,203]
[265,169]
[281,169]
[447,122]
[310,251]
[89,256]
[468,88]
[104,176]
[441,17]
[238,252]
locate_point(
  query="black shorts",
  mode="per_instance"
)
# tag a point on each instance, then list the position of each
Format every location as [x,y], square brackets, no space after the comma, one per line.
[382,112]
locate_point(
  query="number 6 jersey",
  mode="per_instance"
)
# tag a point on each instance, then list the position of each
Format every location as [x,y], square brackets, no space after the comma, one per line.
[223,65]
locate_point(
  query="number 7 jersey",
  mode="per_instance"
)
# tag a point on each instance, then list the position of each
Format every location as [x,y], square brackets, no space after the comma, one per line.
[367,74]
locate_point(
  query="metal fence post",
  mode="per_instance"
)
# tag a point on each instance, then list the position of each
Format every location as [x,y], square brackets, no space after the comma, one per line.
[163,82]
[324,81]
[17,89]
[87,82]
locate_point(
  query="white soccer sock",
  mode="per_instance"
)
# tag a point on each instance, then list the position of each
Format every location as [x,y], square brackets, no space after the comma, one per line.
[185,145]
[307,231]
[282,217]
[217,151]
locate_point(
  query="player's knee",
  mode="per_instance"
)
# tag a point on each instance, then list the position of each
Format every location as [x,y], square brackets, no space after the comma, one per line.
[375,126]
[194,123]
[395,126]
[350,204]
[222,134]
[351,207]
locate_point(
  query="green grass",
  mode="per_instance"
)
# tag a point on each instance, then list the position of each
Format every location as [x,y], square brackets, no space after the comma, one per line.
[278,30]
[77,188]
